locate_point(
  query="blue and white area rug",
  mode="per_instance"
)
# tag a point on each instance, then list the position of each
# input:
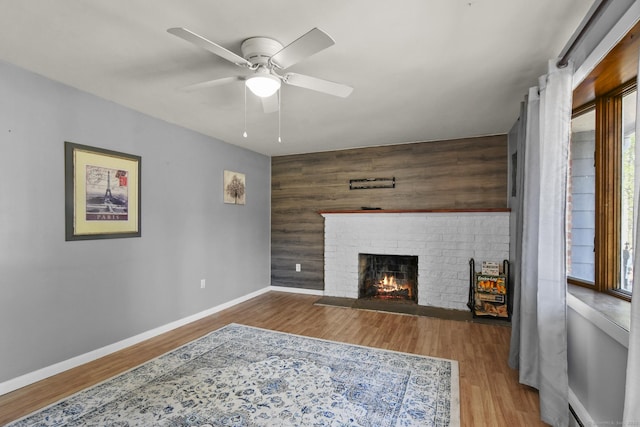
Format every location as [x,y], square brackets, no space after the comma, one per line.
[245,376]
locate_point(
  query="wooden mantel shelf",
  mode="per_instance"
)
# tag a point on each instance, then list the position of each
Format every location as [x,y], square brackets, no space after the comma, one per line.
[396,211]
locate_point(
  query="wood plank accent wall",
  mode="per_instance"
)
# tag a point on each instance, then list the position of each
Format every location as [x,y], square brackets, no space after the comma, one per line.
[457,174]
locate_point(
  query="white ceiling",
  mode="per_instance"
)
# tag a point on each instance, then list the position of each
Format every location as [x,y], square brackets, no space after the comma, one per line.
[422,70]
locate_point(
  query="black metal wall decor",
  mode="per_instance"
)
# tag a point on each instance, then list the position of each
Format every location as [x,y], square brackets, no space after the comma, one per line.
[368,183]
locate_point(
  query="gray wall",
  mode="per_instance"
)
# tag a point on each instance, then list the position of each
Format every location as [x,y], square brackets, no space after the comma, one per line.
[597,366]
[61,299]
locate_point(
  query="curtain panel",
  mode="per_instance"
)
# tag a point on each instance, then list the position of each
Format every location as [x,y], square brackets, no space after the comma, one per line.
[539,328]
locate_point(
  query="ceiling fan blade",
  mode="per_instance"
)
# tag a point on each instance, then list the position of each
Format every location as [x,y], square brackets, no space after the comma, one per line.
[320,85]
[211,83]
[271,104]
[200,41]
[312,42]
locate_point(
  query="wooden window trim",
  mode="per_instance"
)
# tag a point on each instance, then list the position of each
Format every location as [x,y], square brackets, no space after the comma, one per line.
[607,270]
[608,163]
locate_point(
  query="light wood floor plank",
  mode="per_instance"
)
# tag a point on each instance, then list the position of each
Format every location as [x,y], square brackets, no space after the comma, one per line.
[489,390]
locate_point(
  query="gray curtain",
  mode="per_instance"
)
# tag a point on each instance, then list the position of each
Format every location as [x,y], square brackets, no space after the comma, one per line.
[539,329]
[631,415]
[517,147]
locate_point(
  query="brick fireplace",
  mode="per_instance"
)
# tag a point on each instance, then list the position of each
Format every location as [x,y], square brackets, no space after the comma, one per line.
[442,241]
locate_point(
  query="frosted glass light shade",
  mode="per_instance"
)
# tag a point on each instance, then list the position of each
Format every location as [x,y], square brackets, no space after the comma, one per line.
[263,85]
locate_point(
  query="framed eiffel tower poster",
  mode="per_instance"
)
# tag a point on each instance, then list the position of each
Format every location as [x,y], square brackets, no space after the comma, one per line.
[102,193]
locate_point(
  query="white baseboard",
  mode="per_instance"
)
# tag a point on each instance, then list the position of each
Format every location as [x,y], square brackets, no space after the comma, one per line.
[48,371]
[581,412]
[40,374]
[297,290]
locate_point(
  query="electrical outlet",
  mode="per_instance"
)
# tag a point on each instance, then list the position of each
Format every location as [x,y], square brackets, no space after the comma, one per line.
[203,283]
[298,268]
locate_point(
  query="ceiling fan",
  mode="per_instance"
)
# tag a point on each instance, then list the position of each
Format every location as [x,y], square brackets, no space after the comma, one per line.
[265,57]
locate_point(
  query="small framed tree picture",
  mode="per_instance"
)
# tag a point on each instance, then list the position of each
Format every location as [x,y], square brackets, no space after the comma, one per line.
[234,189]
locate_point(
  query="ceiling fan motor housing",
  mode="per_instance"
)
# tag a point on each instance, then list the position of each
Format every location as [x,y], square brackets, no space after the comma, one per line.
[258,50]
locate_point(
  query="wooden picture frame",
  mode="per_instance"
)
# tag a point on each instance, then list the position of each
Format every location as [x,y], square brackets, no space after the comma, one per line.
[102,193]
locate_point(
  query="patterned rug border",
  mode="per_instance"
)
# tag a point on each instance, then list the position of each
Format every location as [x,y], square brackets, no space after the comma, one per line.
[454,420]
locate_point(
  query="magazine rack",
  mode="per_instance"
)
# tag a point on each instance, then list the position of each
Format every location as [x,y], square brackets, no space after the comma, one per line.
[490,294]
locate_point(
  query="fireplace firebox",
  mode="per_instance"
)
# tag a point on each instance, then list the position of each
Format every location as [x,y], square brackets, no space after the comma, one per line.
[391,277]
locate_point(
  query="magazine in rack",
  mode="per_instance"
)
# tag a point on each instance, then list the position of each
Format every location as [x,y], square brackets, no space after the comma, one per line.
[489,291]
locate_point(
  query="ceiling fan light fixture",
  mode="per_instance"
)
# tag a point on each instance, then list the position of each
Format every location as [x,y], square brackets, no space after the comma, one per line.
[263,85]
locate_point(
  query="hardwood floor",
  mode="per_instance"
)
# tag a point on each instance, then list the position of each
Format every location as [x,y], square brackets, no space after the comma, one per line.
[490,394]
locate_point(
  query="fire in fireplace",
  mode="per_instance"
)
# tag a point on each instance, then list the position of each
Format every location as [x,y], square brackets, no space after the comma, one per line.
[388,277]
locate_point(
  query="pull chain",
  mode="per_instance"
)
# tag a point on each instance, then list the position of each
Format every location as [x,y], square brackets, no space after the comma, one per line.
[279,114]
[245,111]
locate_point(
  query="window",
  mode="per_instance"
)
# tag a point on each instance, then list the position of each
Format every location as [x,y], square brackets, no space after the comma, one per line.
[627,185]
[601,203]
[582,198]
